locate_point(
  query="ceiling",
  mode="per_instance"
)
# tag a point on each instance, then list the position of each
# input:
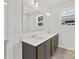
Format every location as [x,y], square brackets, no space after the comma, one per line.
[49,4]
[53,3]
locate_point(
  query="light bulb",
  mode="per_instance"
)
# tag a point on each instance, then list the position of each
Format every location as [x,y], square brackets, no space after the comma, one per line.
[48,14]
[33,1]
[36,4]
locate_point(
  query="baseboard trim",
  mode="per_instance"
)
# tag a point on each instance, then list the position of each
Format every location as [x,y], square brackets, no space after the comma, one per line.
[67,48]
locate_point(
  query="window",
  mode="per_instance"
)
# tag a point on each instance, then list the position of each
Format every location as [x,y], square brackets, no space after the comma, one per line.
[70,11]
[68,16]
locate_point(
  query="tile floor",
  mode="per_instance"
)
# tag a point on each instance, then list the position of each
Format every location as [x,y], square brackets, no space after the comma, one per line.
[62,53]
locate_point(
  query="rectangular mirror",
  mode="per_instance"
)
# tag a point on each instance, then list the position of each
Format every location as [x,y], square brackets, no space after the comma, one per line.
[33,19]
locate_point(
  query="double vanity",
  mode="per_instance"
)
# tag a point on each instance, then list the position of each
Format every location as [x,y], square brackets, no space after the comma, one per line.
[39,46]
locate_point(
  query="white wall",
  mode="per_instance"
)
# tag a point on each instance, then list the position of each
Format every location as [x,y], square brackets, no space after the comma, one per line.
[67,37]
[67,33]
[14,27]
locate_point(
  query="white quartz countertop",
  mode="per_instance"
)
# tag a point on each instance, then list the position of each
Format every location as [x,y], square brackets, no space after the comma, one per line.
[36,40]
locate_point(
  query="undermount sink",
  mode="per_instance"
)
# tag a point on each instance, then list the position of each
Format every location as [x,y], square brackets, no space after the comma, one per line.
[34,36]
[40,37]
[37,37]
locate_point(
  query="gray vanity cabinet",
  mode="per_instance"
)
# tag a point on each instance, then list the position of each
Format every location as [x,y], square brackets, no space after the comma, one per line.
[44,50]
[40,52]
[54,45]
[28,51]
[56,42]
[48,49]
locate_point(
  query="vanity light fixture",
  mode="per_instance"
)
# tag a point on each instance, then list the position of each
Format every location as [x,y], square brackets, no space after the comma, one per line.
[33,1]
[36,4]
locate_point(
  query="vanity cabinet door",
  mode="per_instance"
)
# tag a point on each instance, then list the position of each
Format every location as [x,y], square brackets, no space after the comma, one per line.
[48,49]
[41,51]
[28,51]
[52,45]
[44,50]
[56,41]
